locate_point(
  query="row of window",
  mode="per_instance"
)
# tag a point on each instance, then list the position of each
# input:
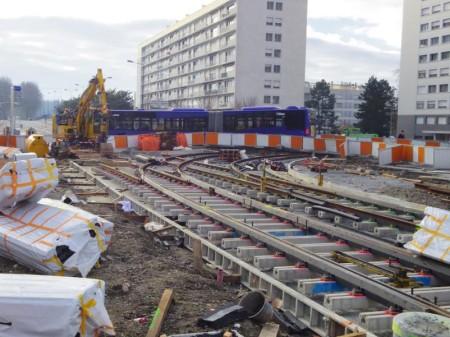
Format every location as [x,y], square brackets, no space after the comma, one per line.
[432,120]
[273,37]
[273,52]
[434,72]
[272,84]
[276,68]
[445,55]
[271,99]
[430,89]
[436,8]
[440,104]
[277,22]
[271,5]
[435,25]
[434,41]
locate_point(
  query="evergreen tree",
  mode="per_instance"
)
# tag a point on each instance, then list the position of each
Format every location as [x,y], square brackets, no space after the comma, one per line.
[322,101]
[378,105]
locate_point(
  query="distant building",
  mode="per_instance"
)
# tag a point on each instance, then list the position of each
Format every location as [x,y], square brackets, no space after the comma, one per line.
[347,101]
[229,54]
[423,105]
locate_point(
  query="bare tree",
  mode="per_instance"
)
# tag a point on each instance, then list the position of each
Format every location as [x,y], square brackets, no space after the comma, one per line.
[240,103]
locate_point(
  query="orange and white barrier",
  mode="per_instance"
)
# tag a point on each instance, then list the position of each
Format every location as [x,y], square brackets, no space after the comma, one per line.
[52,240]
[30,179]
[52,306]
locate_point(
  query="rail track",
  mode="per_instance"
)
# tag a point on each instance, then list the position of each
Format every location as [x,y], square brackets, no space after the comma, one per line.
[285,250]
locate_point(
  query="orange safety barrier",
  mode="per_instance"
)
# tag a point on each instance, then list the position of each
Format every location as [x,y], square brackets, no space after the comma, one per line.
[212,138]
[366,148]
[296,142]
[404,141]
[340,146]
[181,139]
[377,139]
[381,146]
[408,154]
[333,137]
[121,142]
[421,154]
[151,143]
[250,139]
[319,145]
[140,139]
[432,143]
[198,138]
[8,141]
[274,140]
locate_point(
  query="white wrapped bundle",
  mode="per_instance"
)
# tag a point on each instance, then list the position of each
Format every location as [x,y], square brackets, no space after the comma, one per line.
[9,152]
[107,226]
[52,240]
[433,237]
[50,306]
[29,180]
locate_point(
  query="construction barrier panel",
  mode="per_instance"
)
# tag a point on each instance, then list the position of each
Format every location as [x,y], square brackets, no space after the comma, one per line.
[286,141]
[250,139]
[331,145]
[237,139]
[297,142]
[50,306]
[225,139]
[132,141]
[197,139]
[441,158]
[121,142]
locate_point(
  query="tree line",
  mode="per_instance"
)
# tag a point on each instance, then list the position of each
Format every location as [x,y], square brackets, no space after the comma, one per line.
[376,112]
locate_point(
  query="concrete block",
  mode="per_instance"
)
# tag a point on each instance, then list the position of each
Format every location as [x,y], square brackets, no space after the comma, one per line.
[194,223]
[252,193]
[318,286]
[219,235]
[270,261]
[346,302]
[203,230]
[311,211]
[307,239]
[298,206]
[186,217]
[291,273]
[272,199]
[285,202]
[267,226]
[404,238]
[384,232]
[325,247]
[343,221]
[325,215]
[242,190]
[379,322]
[262,195]
[366,225]
[226,185]
[250,252]
[235,188]
[232,243]
[285,232]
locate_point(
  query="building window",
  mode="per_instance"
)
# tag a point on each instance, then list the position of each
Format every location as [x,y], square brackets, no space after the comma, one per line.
[431,104]
[420,105]
[279,6]
[445,55]
[422,74]
[442,120]
[275,99]
[444,71]
[423,43]
[277,37]
[443,88]
[434,41]
[267,84]
[420,120]
[446,38]
[424,27]
[268,68]
[278,22]
[442,104]
[267,99]
[447,6]
[431,120]
[436,9]
[276,68]
[422,58]
[432,73]
[269,52]
[435,25]
[276,84]
[269,36]
[270,5]
[339,105]
[269,21]
[431,89]
[277,53]
[445,23]
[434,57]
[425,11]
[422,89]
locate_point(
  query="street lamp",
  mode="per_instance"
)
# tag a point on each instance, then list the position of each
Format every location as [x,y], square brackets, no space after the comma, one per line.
[139,84]
[131,61]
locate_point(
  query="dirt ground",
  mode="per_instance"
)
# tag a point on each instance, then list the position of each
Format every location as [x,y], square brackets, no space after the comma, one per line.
[137,270]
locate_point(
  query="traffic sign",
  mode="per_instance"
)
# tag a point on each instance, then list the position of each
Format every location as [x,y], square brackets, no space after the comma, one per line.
[17,88]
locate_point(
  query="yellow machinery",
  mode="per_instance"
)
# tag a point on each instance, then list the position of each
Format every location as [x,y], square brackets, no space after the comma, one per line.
[399,279]
[37,144]
[88,123]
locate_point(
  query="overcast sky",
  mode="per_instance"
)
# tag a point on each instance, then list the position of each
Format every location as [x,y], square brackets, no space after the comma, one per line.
[60,44]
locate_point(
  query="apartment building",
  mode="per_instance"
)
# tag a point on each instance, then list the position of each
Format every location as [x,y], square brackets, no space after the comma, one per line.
[347,101]
[229,54]
[424,107]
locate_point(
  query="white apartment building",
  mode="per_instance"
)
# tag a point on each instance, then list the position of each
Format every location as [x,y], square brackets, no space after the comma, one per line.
[229,54]
[424,108]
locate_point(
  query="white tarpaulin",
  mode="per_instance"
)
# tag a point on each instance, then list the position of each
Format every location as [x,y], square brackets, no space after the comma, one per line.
[9,152]
[54,238]
[30,179]
[433,237]
[50,306]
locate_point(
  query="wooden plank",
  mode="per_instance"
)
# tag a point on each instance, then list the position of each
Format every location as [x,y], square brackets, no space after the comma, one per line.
[160,313]
[197,252]
[354,334]
[269,330]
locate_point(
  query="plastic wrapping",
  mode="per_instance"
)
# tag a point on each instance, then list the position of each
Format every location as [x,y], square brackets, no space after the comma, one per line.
[53,239]
[9,152]
[29,180]
[433,237]
[49,306]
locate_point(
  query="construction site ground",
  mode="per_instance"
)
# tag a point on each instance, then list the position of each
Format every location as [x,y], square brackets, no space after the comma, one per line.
[137,269]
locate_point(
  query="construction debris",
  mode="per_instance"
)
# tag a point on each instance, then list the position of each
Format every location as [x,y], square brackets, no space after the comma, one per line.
[34,305]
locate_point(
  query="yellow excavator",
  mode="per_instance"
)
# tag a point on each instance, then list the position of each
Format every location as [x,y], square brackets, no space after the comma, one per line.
[88,124]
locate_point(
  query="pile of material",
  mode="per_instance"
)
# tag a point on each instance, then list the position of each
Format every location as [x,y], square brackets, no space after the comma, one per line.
[432,239]
[50,306]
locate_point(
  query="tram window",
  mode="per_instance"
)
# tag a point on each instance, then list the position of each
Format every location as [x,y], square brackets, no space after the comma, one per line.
[295,120]
[136,124]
